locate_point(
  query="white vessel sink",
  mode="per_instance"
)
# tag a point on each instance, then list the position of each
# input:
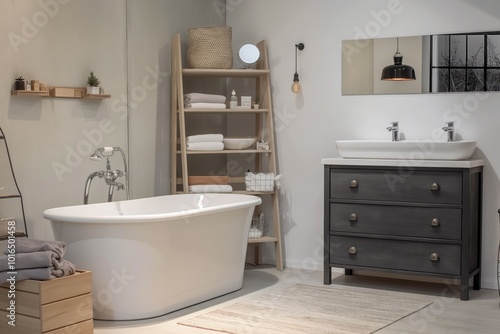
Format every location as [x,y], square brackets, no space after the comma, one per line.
[406,149]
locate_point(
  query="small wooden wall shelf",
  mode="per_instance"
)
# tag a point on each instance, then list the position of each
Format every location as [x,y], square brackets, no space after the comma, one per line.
[29,93]
[96,96]
[62,92]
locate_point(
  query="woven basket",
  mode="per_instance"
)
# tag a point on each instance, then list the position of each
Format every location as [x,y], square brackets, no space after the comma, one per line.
[210,47]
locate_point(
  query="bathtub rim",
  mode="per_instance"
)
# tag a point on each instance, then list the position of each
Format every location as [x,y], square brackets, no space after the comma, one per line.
[67,214]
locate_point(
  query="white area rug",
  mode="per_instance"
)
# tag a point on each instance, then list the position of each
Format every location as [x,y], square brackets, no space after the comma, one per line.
[304,309]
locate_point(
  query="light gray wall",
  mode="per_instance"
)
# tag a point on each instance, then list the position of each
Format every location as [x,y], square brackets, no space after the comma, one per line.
[127,44]
[151,26]
[59,43]
[308,124]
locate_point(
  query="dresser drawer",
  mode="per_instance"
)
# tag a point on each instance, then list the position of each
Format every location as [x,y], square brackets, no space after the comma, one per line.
[440,223]
[395,254]
[393,185]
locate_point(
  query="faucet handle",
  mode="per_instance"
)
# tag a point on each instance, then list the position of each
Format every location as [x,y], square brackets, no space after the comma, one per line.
[449,124]
[396,123]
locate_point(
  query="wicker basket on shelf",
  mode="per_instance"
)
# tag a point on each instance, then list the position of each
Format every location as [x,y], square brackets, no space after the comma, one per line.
[210,47]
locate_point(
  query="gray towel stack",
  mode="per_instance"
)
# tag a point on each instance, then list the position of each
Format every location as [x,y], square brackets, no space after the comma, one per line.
[36,259]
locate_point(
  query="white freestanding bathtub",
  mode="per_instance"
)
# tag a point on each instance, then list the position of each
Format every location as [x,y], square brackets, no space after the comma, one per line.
[155,255]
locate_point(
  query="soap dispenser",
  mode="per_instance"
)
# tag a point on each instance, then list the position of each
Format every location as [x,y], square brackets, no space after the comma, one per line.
[233,102]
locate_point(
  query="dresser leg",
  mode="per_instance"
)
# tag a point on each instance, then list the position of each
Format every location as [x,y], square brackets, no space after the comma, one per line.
[348,272]
[464,292]
[476,281]
[327,275]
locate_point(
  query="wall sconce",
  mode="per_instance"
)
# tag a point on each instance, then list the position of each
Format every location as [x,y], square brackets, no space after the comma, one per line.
[398,71]
[296,84]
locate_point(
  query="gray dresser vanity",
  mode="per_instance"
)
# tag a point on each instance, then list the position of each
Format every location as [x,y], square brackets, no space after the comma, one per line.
[420,217]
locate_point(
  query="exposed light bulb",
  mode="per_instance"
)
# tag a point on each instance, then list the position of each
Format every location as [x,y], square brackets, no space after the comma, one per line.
[296,88]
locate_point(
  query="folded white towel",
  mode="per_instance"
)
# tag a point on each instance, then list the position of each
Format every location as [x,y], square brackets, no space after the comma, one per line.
[203,105]
[209,137]
[205,146]
[201,97]
[210,188]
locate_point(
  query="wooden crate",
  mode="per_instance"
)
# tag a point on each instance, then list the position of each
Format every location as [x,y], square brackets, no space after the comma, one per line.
[57,306]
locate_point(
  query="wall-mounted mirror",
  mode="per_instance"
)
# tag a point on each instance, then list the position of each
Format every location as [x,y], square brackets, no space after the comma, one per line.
[443,63]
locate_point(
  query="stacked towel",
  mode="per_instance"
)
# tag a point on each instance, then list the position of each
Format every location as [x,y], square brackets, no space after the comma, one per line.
[205,146]
[36,259]
[205,138]
[205,105]
[210,188]
[201,100]
[205,142]
[201,97]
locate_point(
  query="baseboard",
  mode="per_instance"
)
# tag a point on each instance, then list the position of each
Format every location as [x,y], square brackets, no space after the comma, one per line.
[485,284]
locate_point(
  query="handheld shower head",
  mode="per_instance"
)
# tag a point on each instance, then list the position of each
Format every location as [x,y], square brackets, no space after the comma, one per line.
[95,157]
[102,152]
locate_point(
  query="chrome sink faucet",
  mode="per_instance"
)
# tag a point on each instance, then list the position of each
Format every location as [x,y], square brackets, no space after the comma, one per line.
[450,129]
[395,130]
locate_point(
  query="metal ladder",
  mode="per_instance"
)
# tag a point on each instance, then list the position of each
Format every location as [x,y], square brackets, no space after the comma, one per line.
[18,195]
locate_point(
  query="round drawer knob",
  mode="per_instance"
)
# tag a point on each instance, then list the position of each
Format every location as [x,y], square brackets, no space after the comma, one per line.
[353,250]
[353,217]
[435,222]
[353,184]
[435,187]
[434,257]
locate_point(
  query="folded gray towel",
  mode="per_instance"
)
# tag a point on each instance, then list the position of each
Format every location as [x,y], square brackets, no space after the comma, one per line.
[38,260]
[26,245]
[59,268]
[63,268]
[30,260]
[41,274]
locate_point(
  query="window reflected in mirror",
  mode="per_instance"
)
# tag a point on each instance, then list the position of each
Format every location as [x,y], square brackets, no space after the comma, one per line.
[465,62]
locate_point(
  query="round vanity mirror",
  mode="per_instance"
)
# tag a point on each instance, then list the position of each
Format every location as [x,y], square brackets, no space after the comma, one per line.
[248,54]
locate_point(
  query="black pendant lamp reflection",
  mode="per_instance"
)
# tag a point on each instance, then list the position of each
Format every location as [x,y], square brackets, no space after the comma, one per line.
[398,71]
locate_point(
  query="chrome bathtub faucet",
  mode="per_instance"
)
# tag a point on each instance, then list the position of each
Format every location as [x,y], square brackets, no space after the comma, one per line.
[395,130]
[450,130]
[108,175]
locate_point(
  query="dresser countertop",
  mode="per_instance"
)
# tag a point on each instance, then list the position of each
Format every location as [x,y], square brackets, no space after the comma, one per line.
[404,163]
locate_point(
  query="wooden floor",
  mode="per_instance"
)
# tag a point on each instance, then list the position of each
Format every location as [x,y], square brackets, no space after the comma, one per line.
[448,314]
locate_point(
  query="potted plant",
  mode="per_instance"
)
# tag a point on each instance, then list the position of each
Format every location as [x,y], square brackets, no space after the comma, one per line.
[256,103]
[20,83]
[93,84]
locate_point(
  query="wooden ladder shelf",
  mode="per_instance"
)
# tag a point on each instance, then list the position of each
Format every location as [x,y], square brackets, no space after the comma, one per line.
[265,160]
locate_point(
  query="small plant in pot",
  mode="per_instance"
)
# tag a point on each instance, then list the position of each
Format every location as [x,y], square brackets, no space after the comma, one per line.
[93,84]
[256,103]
